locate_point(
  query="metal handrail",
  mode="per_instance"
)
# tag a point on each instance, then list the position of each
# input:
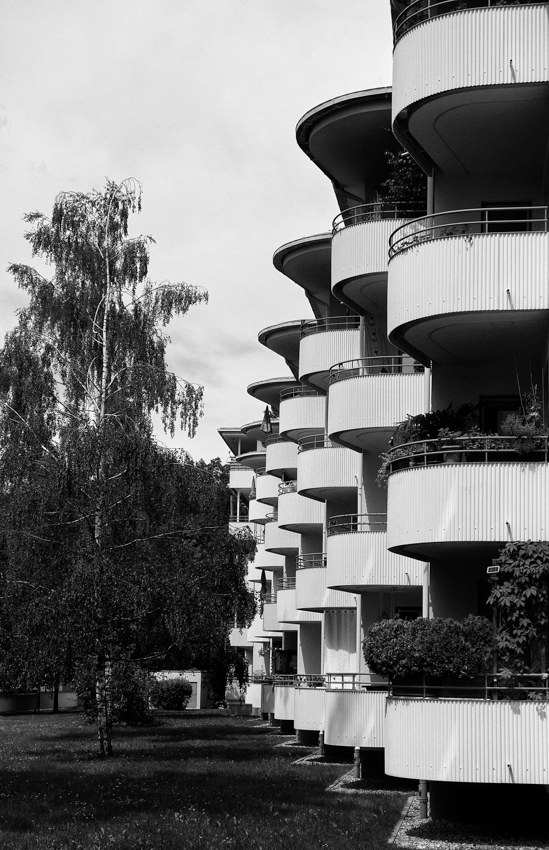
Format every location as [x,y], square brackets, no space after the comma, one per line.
[269,599]
[285,583]
[487,686]
[259,534]
[467,224]
[285,680]
[467,449]
[276,438]
[234,464]
[272,516]
[311,560]
[287,487]
[355,682]
[377,211]
[353,523]
[378,365]
[330,323]
[261,679]
[236,518]
[422,10]
[315,441]
[310,680]
[298,392]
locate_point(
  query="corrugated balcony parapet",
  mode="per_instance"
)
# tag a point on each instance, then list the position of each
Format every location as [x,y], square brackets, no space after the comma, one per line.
[419,11]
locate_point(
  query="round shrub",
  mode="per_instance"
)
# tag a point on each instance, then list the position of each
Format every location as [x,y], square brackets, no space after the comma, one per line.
[437,647]
[171,694]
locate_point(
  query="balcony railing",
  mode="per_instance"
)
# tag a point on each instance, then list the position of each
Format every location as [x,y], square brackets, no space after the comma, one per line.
[315,441]
[285,680]
[261,679]
[312,560]
[422,10]
[468,223]
[239,517]
[380,365]
[234,464]
[297,392]
[271,517]
[276,438]
[355,682]
[469,449]
[269,599]
[287,487]
[285,583]
[331,323]
[488,686]
[310,680]
[374,212]
[353,523]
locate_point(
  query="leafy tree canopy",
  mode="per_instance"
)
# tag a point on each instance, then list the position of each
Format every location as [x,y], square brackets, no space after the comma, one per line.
[112,548]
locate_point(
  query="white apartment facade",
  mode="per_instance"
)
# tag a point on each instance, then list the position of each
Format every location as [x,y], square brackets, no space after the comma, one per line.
[413,310]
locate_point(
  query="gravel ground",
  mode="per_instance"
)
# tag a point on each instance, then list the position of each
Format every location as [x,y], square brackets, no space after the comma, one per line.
[417,834]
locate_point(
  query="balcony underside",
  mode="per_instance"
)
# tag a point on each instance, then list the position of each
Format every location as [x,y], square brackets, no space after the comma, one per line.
[466,509]
[366,293]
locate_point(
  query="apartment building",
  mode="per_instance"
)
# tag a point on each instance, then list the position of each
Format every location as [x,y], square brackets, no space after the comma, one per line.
[412,310]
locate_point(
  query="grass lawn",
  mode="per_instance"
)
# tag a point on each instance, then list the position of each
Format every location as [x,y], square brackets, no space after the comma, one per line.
[191,782]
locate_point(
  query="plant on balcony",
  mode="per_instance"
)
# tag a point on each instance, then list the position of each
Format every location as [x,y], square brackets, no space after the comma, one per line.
[526,425]
[520,592]
[406,183]
[437,647]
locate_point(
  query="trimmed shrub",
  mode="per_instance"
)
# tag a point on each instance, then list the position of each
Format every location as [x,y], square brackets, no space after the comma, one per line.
[171,694]
[437,647]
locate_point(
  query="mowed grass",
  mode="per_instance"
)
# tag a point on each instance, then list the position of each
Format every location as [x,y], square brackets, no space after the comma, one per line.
[190,782]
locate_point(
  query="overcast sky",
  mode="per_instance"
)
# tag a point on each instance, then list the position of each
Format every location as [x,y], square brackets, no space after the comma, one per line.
[197,99]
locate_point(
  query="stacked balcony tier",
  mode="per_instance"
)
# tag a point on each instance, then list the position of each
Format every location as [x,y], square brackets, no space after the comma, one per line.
[354,709]
[475,495]
[323,343]
[309,699]
[358,558]
[279,541]
[370,396]
[266,489]
[281,459]
[325,470]
[296,513]
[312,591]
[359,253]
[462,73]
[459,289]
[468,740]
[302,411]
[288,612]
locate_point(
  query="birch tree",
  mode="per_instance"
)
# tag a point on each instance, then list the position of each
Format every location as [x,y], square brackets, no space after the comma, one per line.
[97,528]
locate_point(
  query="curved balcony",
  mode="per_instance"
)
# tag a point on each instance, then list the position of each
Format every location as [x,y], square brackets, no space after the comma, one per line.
[312,593]
[306,261]
[358,559]
[309,696]
[284,689]
[296,513]
[302,411]
[271,621]
[283,339]
[286,601]
[359,253]
[325,342]
[254,460]
[354,710]
[268,390]
[325,470]
[240,476]
[468,740]
[258,512]
[266,489]
[279,541]
[462,72]
[257,633]
[281,459]
[457,279]
[369,396]
[265,560]
[239,637]
[470,496]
